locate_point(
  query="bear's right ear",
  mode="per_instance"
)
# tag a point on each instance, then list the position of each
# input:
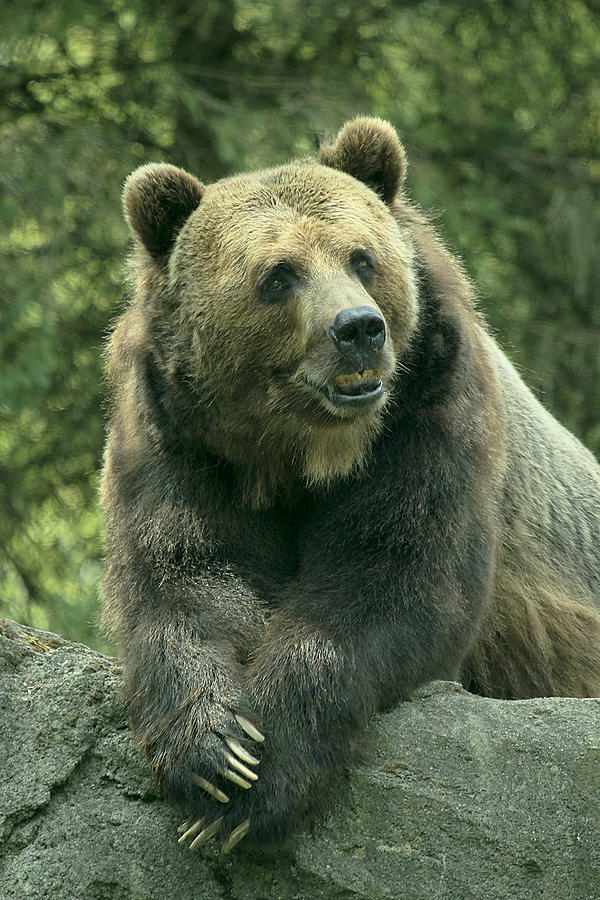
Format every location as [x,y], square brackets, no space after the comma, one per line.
[157,200]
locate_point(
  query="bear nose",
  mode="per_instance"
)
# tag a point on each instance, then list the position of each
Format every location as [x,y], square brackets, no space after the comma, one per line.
[358,330]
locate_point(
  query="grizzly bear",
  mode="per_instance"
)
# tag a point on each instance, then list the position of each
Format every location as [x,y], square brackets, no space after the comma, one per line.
[324,485]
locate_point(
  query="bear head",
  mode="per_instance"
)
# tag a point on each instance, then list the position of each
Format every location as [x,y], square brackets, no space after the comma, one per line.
[274,307]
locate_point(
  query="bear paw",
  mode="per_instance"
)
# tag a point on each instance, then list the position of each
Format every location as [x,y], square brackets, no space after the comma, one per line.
[238,772]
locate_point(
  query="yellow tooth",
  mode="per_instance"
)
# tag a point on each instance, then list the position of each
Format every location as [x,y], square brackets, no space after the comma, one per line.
[357,377]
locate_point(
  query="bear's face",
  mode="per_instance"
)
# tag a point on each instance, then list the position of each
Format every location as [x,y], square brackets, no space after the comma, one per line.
[294,286]
[289,296]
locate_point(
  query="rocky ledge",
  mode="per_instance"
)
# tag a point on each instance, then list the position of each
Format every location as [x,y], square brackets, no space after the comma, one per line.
[459,797]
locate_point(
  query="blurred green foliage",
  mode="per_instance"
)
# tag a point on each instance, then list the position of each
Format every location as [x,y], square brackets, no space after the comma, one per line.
[499,106]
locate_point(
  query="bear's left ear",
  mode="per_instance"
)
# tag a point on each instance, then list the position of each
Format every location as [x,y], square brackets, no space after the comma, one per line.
[157,201]
[369,149]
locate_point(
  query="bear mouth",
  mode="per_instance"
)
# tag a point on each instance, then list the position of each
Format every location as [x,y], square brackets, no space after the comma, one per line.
[356,389]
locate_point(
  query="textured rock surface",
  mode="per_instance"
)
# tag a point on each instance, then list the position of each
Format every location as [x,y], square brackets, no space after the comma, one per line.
[460,797]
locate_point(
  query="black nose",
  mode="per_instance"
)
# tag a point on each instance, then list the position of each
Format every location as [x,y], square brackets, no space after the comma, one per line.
[358,330]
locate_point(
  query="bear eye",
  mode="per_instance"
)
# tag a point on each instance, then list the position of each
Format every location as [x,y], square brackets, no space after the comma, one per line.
[363,264]
[278,283]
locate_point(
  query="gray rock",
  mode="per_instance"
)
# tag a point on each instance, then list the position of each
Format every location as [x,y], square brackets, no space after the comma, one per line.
[460,797]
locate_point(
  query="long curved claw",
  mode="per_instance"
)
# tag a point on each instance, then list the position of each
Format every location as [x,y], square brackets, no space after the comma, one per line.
[184,826]
[241,768]
[241,752]
[206,833]
[192,831]
[236,836]
[211,789]
[235,778]
[250,729]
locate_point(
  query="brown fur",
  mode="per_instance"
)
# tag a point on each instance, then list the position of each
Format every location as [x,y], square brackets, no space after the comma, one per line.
[303,561]
[541,635]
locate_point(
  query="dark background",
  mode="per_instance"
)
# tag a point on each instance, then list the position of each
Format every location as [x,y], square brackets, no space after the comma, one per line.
[498,104]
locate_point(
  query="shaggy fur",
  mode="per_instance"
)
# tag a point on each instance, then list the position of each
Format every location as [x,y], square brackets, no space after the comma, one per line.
[277,553]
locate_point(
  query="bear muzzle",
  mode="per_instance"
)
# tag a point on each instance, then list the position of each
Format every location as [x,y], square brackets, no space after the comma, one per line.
[358,335]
